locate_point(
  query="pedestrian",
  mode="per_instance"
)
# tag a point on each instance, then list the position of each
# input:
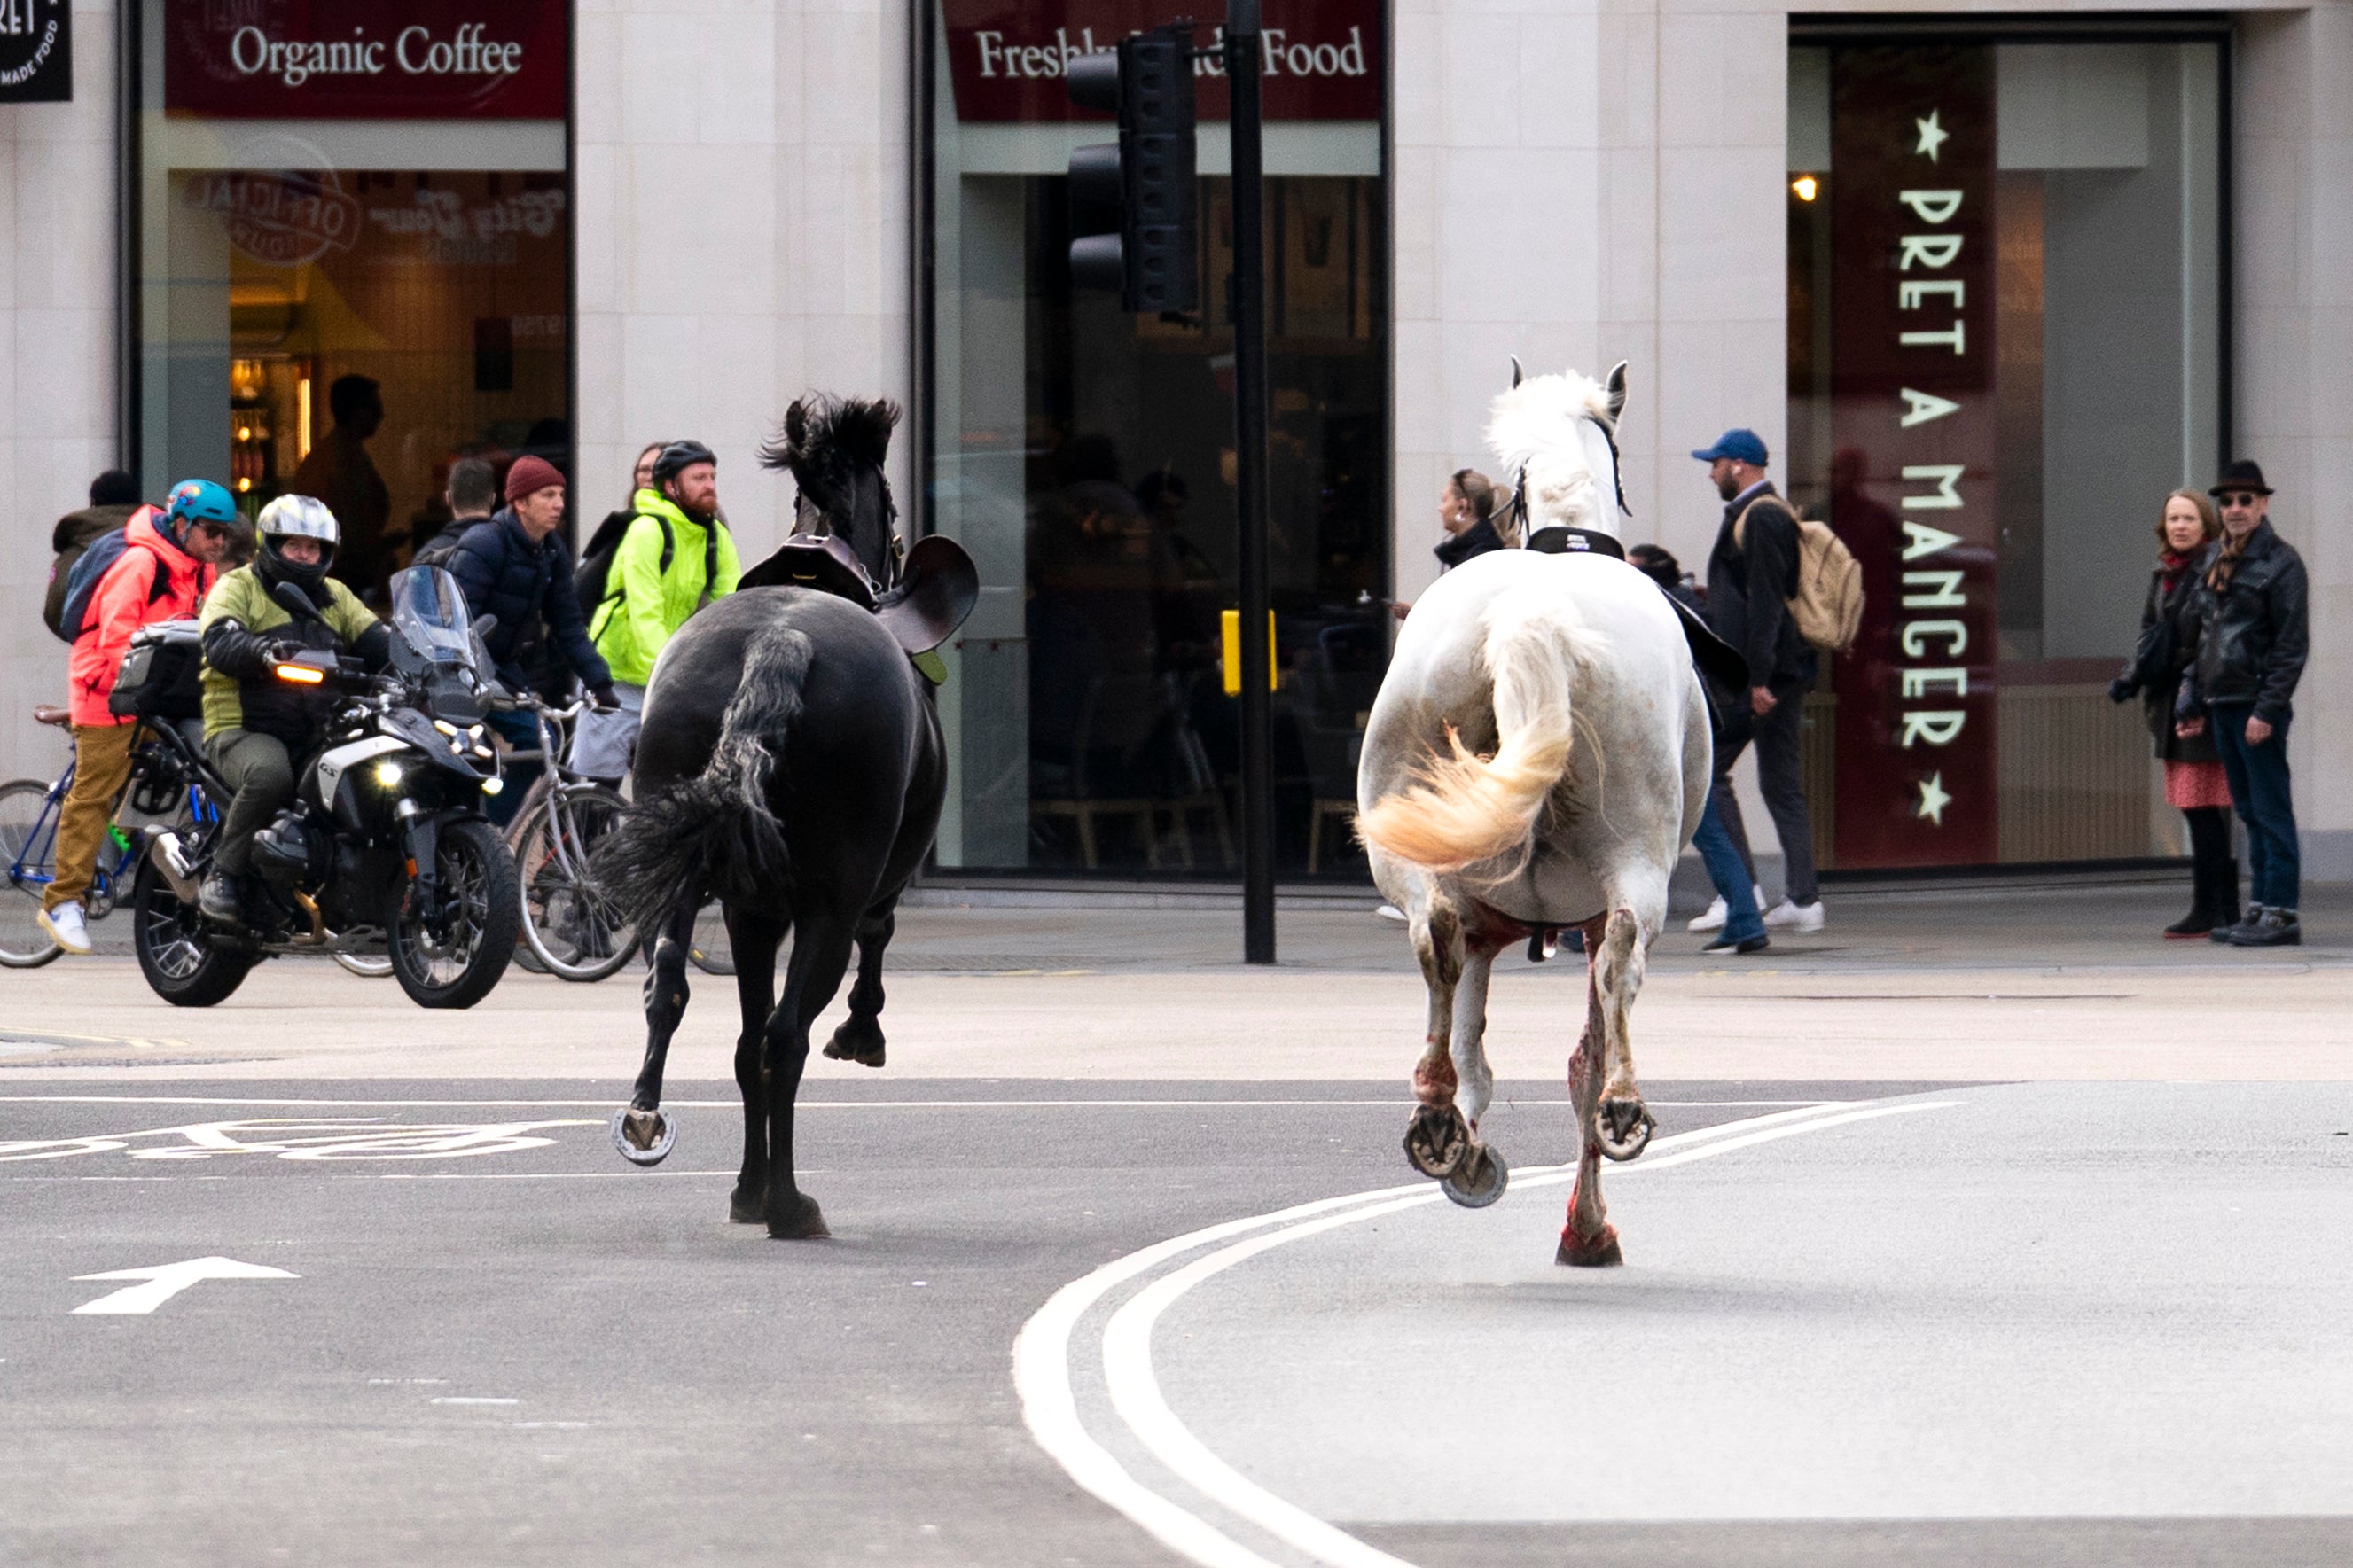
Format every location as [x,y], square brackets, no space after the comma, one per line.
[675,556]
[114,497]
[162,574]
[2254,631]
[1736,896]
[471,493]
[641,476]
[2195,783]
[1752,571]
[514,568]
[340,472]
[1466,510]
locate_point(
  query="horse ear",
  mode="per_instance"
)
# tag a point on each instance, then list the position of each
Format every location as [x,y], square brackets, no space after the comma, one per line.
[796,422]
[1617,389]
[1515,370]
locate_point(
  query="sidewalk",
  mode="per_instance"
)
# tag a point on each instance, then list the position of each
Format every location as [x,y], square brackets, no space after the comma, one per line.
[1972,983]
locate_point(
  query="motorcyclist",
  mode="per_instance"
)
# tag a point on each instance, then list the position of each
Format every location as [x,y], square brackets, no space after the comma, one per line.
[256,726]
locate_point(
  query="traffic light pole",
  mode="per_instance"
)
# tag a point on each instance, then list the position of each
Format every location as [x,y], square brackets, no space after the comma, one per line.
[1248,307]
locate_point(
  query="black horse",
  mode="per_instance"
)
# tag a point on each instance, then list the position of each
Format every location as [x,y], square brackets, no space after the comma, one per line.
[790,764]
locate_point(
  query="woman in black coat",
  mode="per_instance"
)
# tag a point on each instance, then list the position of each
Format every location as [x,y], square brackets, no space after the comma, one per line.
[2194,781]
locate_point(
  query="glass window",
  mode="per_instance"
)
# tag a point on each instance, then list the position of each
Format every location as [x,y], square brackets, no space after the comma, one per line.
[1086,458]
[352,256]
[2005,348]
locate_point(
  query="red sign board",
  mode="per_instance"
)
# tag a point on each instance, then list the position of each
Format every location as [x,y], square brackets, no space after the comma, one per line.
[1321,58]
[366,59]
[1913,422]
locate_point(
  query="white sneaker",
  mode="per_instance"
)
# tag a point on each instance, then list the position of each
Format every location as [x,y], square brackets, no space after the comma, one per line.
[1391,912]
[1796,917]
[1717,914]
[65,928]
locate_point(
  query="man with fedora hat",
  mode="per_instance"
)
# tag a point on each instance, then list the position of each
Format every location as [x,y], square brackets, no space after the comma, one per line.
[1751,572]
[2254,629]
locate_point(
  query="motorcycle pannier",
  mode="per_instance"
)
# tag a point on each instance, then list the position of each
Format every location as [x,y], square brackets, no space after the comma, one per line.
[160,674]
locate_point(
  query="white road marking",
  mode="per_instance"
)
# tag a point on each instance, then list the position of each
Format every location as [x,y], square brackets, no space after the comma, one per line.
[1401,1098]
[165,1280]
[1041,1366]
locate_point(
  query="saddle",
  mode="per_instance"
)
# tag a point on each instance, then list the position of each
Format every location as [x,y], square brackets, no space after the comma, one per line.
[936,589]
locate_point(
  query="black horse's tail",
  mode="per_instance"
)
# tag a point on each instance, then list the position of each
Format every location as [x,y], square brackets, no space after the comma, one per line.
[714,833]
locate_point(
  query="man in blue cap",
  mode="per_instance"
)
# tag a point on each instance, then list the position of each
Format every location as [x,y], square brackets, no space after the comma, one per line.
[1751,575]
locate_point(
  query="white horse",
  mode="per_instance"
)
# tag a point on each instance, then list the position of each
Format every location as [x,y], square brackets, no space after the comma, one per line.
[1537,758]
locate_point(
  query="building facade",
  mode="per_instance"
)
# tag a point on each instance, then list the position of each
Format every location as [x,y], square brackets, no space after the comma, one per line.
[1988,283]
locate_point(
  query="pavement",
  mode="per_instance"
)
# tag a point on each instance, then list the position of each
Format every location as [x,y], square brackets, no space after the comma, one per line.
[1982,1227]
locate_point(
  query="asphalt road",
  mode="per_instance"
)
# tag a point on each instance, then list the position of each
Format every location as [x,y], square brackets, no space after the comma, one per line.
[2025,1325]
[503,1345]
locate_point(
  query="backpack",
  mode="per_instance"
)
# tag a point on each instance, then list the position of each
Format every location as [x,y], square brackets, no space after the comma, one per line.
[437,551]
[596,561]
[85,574]
[1828,604]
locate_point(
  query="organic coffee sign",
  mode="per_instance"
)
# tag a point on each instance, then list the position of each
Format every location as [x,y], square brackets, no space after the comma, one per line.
[36,51]
[1321,58]
[366,59]
[1913,421]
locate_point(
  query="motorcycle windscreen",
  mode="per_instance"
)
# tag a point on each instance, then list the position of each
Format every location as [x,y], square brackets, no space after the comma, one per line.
[428,612]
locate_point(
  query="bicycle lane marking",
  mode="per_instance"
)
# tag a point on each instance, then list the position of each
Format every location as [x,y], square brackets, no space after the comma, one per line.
[325,1139]
[1050,1407]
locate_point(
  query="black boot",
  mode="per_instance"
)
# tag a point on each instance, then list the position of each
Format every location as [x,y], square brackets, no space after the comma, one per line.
[2201,918]
[2225,911]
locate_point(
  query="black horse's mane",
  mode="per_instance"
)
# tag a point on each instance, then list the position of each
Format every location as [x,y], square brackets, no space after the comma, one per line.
[825,440]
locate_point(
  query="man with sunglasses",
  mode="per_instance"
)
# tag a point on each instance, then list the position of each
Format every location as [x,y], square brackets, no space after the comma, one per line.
[164,573]
[2254,629]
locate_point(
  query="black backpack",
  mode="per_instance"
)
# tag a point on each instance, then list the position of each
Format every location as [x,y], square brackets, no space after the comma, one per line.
[438,549]
[596,561]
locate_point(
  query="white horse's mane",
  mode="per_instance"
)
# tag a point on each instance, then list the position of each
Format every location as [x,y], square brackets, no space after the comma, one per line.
[1536,431]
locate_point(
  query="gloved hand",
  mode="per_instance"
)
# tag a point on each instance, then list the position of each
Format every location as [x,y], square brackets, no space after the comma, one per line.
[282,650]
[604,697]
[2121,689]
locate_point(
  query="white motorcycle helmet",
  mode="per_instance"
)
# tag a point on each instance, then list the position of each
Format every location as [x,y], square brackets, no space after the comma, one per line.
[297,517]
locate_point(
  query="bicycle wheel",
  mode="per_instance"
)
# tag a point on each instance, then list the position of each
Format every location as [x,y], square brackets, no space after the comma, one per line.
[28,847]
[566,925]
[711,952]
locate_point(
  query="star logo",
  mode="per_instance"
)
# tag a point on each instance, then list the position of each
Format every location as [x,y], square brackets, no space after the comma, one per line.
[1933,799]
[1931,136]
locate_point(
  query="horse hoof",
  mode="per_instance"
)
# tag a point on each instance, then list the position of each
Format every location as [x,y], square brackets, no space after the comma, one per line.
[852,1044]
[1479,1179]
[806,1223]
[747,1208]
[643,1137]
[1592,1252]
[1436,1139]
[1623,1128]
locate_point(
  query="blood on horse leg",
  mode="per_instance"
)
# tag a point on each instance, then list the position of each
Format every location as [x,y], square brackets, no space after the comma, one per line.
[1437,1137]
[1589,1240]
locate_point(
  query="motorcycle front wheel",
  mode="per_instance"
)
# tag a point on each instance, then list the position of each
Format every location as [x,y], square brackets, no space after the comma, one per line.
[175,953]
[474,878]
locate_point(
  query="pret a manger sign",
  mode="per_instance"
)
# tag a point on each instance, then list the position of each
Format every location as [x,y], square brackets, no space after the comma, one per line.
[1006,58]
[1914,422]
[409,60]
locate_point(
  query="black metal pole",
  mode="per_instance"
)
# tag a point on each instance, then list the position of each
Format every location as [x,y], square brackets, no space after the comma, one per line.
[1242,62]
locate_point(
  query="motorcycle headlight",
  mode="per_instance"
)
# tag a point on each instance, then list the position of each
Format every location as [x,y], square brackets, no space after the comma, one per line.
[493,784]
[388,773]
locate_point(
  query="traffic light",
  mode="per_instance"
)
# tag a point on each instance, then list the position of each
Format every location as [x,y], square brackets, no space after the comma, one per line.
[1132,206]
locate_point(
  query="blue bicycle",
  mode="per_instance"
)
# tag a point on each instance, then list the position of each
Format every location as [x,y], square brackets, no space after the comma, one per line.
[166,788]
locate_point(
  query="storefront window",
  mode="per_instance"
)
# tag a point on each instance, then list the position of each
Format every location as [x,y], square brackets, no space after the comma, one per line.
[1086,458]
[2005,348]
[353,253]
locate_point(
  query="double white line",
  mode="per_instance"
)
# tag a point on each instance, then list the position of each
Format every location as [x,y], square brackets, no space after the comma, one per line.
[1041,1355]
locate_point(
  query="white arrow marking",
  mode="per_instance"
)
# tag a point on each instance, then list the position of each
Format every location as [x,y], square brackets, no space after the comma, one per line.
[165,1280]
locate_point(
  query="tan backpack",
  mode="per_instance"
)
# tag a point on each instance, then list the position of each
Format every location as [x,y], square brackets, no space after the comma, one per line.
[1828,605]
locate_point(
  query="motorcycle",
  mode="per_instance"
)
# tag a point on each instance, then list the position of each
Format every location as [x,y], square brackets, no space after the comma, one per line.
[385,849]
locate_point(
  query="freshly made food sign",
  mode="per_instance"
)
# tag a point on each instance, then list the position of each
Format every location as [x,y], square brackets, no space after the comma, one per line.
[1321,58]
[36,51]
[419,59]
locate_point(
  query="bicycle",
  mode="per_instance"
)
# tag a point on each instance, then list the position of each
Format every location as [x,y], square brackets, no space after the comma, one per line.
[166,780]
[164,784]
[569,930]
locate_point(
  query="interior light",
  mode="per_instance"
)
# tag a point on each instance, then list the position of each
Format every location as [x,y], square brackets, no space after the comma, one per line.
[1805,187]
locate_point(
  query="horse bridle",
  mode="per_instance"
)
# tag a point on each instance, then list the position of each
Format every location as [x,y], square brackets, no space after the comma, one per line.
[1617,480]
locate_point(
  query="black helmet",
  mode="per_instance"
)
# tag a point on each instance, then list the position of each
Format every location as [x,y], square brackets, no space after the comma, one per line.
[679,454]
[296,517]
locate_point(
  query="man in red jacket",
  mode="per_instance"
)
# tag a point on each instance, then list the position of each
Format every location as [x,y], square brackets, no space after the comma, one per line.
[162,574]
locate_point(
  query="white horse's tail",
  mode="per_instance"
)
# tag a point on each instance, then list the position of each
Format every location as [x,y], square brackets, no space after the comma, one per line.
[1465,808]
